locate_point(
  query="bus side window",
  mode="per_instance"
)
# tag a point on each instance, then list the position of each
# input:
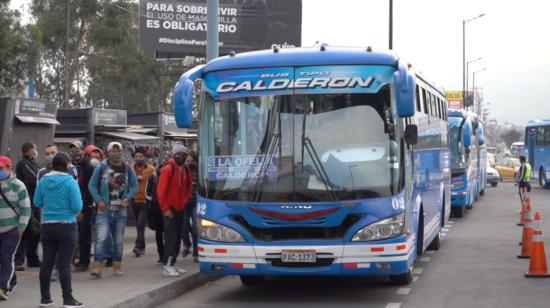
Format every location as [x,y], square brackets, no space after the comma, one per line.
[540,136]
[425,99]
[547,136]
[438,102]
[418,107]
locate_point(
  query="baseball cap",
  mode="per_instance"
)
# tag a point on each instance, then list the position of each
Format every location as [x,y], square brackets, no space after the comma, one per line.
[5,162]
[77,144]
[114,144]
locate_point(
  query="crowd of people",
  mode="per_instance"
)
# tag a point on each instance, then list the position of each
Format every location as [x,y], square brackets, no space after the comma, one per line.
[81,198]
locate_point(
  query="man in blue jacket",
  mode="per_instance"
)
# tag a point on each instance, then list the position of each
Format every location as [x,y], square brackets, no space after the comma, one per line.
[112,185]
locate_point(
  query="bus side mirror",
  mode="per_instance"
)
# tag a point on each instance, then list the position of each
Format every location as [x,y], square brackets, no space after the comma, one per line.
[480,135]
[467,134]
[183,98]
[411,134]
[405,88]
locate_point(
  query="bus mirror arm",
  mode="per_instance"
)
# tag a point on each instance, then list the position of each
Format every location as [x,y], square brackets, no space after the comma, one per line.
[411,134]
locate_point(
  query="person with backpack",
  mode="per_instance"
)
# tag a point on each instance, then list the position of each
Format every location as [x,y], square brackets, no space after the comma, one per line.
[112,186]
[154,214]
[143,171]
[15,211]
[174,190]
[59,197]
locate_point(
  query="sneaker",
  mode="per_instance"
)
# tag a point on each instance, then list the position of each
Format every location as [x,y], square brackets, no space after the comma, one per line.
[180,270]
[72,303]
[4,294]
[11,289]
[196,259]
[136,252]
[186,251]
[20,268]
[80,269]
[170,271]
[46,302]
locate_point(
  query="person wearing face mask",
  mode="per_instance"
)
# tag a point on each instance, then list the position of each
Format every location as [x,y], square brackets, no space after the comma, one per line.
[49,151]
[85,170]
[95,154]
[15,211]
[112,185]
[173,192]
[189,221]
[143,171]
[26,171]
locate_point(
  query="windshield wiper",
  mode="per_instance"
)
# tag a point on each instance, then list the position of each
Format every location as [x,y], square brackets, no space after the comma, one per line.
[307,145]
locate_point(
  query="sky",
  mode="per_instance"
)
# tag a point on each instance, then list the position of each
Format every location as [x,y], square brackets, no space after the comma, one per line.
[512,38]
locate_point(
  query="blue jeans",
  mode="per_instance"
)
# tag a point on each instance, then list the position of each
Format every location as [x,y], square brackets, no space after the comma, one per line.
[110,221]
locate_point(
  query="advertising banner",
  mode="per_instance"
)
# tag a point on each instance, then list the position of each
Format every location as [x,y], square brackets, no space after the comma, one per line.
[179,27]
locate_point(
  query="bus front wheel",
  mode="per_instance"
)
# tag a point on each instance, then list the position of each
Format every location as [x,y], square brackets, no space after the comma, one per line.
[458,211]
[402,279]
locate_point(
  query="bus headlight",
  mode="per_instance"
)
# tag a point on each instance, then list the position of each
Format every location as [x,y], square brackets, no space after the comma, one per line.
[209,230]
[389,227]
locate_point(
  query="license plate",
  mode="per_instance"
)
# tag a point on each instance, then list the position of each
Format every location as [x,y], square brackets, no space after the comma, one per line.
[298,256]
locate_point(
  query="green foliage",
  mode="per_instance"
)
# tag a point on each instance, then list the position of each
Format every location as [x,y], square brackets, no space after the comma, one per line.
[16,59]
[511,136]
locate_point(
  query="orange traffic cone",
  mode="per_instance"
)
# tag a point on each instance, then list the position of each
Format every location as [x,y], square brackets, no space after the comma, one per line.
[537,264]
[525,206]
[527,238]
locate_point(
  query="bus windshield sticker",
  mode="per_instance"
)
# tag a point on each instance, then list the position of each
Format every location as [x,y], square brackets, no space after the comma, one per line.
[240,167]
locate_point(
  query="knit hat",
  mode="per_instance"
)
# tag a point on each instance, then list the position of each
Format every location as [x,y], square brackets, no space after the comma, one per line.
[114,144]
[179,148]
[5,162]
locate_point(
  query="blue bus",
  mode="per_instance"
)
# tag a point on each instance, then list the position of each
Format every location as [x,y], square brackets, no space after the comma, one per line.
[537,148]
[468,159]
[316,161]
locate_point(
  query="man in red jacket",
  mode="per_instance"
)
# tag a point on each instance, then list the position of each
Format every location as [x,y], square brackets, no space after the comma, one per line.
[173,191]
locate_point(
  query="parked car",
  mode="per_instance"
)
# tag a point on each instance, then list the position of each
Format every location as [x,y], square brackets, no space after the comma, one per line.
[508,169]
[493,177]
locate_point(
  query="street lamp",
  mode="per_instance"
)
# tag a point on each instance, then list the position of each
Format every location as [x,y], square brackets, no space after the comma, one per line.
[468,69]
[474,87]
[391,26]
[464,22]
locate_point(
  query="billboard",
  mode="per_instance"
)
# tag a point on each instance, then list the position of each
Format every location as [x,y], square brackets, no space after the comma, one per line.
[455,100]
[178,28]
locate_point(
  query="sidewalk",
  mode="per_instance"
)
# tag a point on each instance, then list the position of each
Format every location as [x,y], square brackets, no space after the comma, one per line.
[142,284]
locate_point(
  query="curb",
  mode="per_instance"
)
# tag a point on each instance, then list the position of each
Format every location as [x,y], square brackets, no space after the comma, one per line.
[168,292]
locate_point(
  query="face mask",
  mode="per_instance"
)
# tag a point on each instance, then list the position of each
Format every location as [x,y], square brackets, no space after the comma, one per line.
[76,158]
[115,158]
[140,162]
[4,175]
[49,158]
[95,162]
[180,160]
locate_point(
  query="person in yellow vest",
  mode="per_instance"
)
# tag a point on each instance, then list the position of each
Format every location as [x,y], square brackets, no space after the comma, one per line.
[143,170]
[524,177]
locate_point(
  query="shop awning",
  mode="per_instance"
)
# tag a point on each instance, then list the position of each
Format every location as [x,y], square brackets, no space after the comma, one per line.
[67,140]
[175,134]
[129,136]
[37,120]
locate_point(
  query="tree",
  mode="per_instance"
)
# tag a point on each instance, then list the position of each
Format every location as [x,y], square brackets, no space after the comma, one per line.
[511,136]
[16,51]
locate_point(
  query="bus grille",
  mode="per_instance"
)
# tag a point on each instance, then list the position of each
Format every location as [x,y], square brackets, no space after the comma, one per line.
[300,233]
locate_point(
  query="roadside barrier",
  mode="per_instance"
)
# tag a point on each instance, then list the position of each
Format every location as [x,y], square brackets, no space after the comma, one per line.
[537,265]
[527,238]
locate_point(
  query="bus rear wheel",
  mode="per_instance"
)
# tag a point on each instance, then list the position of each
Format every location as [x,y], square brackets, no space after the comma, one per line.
[402,279]
[251,281]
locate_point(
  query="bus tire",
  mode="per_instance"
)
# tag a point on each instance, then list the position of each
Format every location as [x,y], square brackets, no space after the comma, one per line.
[457,211]
[402,279]
[482,192]
[542,178]
[251,281]
[494,184]
[436,243]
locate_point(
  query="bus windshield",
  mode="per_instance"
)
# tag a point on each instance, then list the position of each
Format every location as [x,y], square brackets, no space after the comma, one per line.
[455,144]
[292,148]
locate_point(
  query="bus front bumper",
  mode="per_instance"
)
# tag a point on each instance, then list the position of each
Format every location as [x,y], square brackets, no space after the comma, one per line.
[352,259]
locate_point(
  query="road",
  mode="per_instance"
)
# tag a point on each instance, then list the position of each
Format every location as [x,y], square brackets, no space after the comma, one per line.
[475,267]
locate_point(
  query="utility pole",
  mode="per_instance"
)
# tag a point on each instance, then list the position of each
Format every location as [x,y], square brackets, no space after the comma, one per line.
[391,26]
[66,60]
[212,30]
